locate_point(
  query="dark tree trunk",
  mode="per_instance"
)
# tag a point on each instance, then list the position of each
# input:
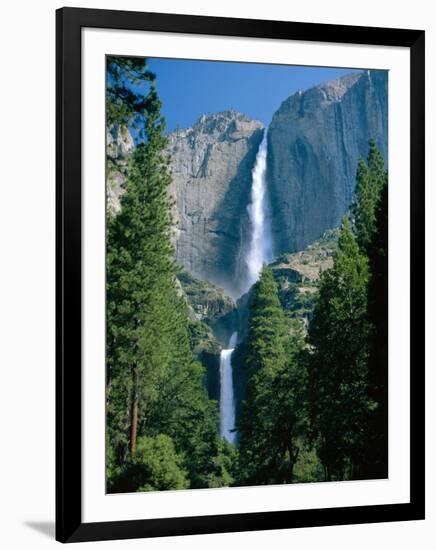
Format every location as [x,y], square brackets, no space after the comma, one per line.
[134,414]
[134,424]
[293,455]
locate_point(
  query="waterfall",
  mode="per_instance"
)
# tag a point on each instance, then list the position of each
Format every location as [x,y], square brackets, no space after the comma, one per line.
[227,401]
[260,248]
[259,253]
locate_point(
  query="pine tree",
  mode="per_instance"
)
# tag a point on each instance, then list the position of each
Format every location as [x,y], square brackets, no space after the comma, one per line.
[338,338]
[140,273]
[271,411]
[182,408]
[125,103]
[376,463]
[371,177]
[156,467]
[154,385]
[348,338]
[371,227]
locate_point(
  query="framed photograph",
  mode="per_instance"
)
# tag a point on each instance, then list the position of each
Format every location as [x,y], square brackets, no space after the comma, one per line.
[240,267]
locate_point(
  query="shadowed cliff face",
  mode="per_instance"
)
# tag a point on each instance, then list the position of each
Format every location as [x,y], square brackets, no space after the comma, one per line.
[211,167]
[315,141]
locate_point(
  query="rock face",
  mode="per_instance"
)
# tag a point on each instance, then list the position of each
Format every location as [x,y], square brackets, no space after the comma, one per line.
[119,147]
[211,167]
[315,140]
[212,319]
[297,275]
[209,305]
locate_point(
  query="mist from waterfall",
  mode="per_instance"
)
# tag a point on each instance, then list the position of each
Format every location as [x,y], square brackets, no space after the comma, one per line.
[227,399]
[260,248]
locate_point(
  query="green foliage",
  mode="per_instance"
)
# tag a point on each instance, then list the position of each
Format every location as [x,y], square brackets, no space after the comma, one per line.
[266,327]
[202,338]
[371,226]
[376,436]
[297,299]
[308,467]
[183,411]
[347,357]
[273,412]
[156,467]
[338,337]
[370,179]
[124,105]
[140,289]
[225,466]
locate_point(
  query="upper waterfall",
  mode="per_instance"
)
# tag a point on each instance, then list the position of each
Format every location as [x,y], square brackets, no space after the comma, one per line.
[260,248]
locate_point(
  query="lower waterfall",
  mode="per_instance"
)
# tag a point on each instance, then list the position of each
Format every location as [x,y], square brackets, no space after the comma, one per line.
[227,400]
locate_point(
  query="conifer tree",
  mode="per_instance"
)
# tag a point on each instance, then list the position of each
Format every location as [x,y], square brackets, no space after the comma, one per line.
[376,457]
[272,408]
[140,273]
[338,337]
[156,467]
[371,177]
[371,227]
[125,104]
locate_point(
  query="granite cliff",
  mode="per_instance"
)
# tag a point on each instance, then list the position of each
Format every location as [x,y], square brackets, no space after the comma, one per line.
[315,140]
[211,165]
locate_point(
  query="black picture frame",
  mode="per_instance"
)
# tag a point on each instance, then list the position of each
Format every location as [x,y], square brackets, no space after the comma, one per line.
[69,525]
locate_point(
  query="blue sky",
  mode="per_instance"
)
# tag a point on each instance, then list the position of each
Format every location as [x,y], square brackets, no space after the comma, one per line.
[189,88]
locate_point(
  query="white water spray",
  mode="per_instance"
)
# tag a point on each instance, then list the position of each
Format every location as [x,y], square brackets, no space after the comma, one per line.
[227,400]
[260,250]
